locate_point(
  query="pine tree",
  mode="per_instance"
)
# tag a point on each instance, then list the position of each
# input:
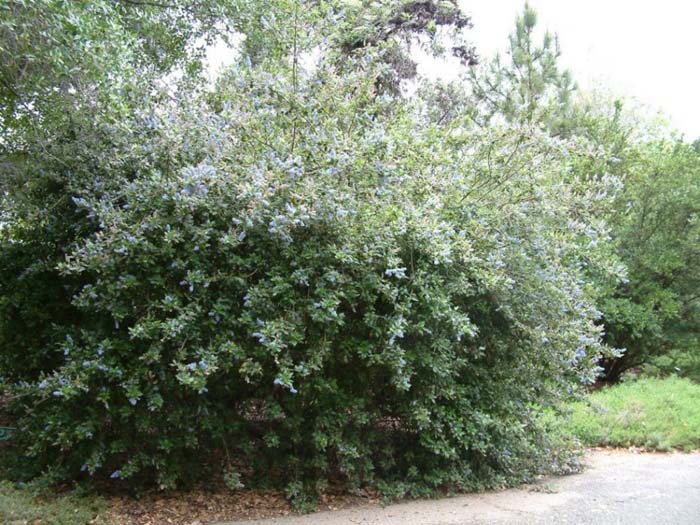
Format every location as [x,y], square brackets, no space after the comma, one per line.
[527,87]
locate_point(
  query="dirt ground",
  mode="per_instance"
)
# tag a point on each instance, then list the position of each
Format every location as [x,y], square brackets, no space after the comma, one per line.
[206,507]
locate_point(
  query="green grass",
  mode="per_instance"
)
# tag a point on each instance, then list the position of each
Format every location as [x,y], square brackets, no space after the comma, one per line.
[29,506]
[655,414]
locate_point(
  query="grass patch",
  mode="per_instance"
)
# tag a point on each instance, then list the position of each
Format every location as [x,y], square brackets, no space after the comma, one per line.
[28,505]
[656,414]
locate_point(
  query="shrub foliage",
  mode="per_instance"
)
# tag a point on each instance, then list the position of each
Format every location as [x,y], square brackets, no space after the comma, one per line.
[295,277]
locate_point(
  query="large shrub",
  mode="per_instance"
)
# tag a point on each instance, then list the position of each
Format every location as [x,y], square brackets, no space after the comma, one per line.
[302,281]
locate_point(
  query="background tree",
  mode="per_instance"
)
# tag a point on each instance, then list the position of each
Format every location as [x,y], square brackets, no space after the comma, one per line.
[529,87]
[656,234]
[52,49]
[393,30]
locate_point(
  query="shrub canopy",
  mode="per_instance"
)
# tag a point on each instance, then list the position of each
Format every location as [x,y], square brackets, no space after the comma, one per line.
[297,276]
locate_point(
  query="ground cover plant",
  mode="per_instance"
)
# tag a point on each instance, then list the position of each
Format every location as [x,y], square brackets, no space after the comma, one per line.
[20,505]
[654,414]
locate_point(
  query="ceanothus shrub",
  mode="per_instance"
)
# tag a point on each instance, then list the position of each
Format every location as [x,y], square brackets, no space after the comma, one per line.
[289,293]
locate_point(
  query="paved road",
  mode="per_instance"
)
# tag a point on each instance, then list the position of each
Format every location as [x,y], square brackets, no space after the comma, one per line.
[616,488]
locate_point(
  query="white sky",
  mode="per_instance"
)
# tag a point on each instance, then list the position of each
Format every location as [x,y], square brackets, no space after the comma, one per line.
[641,48]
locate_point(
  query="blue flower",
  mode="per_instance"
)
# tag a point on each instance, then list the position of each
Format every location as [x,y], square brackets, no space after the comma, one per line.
[399,273]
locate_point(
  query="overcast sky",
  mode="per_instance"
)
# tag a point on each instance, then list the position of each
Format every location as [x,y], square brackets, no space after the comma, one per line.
[643,48]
